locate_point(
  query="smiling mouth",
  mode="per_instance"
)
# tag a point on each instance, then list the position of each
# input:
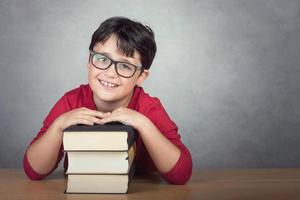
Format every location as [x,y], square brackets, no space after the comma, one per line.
[108,84]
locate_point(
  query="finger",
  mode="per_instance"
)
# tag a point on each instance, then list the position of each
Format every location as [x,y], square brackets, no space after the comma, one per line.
[107,119]
[94,113]
[92,119]
[85,122]
[89,118]
[107,114]
[82,109]
[112,118]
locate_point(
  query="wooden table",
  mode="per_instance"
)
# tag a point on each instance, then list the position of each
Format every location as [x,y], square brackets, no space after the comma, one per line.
[205,184]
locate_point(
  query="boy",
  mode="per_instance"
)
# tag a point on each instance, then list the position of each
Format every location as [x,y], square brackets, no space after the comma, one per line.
[121,53]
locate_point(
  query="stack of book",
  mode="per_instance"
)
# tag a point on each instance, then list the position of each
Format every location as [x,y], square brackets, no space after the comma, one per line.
[100,158]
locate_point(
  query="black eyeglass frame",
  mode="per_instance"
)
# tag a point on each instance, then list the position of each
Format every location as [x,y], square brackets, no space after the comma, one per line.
[92,53]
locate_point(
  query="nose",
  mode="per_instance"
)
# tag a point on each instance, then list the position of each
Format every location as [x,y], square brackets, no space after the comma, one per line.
[111,70]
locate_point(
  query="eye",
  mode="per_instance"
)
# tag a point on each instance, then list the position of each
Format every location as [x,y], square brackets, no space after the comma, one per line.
[124,66]
[100,58]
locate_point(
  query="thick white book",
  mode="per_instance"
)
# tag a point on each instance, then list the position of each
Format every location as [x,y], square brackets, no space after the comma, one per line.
[100,162]
[99,183]
[108,137]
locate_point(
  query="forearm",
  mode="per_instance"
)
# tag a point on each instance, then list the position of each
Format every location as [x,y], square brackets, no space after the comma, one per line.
[163,152]
[42,154]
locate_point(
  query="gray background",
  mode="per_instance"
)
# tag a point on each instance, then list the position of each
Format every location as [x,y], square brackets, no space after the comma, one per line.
[226,71]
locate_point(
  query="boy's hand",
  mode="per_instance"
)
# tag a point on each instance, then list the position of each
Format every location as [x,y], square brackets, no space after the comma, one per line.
[125,116]
[79,116]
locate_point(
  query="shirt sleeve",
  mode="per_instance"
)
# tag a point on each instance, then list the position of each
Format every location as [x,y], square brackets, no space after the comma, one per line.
[59,108]
[182,170]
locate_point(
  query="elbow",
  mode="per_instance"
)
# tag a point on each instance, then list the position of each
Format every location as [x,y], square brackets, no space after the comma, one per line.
[32,176]
[181,178]
[182,171]
[30,173]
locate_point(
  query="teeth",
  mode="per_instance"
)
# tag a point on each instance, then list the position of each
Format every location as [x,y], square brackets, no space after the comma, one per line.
[111,85]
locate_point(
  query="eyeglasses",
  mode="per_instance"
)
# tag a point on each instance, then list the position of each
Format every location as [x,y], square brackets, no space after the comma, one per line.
[124,69]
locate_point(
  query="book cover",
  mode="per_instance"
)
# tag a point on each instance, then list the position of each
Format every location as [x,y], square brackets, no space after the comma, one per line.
[103,183]
[100,162]
[108,137]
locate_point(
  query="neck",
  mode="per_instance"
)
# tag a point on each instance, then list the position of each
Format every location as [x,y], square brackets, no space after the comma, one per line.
[105,106]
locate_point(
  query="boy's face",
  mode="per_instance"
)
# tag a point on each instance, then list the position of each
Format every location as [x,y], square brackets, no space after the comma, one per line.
[107,85]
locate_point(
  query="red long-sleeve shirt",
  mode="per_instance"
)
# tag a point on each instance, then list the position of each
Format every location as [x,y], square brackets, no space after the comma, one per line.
[140,102]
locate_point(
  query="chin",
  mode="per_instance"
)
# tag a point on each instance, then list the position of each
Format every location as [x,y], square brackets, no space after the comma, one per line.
[104,96]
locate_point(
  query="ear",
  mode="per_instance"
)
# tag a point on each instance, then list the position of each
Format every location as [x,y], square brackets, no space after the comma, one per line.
[143,76]
[88,65]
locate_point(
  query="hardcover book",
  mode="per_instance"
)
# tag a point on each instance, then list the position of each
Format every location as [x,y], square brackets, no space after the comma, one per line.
[100,158]
[109,137]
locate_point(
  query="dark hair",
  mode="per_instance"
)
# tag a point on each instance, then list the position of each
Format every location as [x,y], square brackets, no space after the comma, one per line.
[131,35]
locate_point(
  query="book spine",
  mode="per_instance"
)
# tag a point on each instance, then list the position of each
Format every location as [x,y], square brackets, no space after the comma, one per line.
[131,136]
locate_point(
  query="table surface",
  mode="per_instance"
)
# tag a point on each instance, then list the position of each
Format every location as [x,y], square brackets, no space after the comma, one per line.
[205,184]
